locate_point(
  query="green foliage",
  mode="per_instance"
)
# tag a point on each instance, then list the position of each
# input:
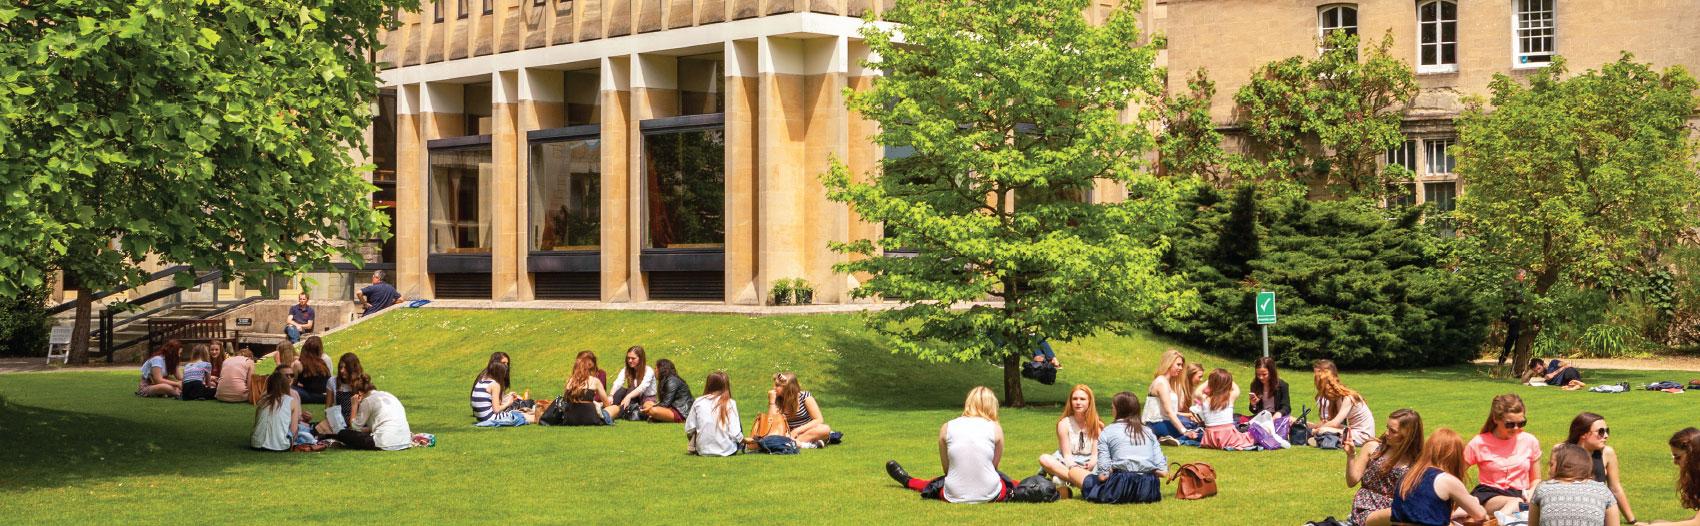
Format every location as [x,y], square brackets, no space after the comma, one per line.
[1326,122]
[1610,340]
[802,291]
[1013,108]
[1578,178]
[1352,283]
[24,324]
[1189,145]
[212,134]
[780,293]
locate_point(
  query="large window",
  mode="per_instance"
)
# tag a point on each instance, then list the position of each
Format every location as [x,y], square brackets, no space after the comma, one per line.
[1441,196]
[462,180]
[566,193]
[1535,28]
[1403,193]
[1336,18]
[1439,157]
[1437,29]
[685,187]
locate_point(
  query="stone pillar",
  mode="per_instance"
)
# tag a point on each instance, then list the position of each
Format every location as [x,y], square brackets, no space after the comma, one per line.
[863,155]
[541,106]
[621,277]
[826,67]
[783,129]
[443,114]
[742,103]
[412,217]
[507,246]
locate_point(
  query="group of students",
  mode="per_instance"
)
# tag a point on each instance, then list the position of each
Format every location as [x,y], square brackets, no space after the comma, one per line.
[356,414]
[1185,406]
[657,394]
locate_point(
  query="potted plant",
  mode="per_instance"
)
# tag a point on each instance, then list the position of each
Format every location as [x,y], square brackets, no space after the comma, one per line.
[780,293]
[803,291]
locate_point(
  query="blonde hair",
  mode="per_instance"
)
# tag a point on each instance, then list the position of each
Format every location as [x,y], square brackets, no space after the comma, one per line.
[1166,363]
[981,403]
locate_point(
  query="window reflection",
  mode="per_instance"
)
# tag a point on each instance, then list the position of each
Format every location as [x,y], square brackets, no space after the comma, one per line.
[565,195]
[461,181]
[685,189]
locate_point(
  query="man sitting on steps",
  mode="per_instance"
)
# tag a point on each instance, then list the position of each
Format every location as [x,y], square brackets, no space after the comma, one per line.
[300,320]
[377,296]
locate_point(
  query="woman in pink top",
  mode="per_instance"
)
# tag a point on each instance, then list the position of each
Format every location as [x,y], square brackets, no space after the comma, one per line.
[233,385]
[1507,460]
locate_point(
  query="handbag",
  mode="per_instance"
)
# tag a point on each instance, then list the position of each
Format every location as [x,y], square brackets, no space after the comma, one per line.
[1198,480]
[777,445]
[765,424]
[555,413]
[1037,488]
[1299,432]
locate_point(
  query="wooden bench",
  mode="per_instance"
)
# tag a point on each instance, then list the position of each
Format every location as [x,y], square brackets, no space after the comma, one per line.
[189,332]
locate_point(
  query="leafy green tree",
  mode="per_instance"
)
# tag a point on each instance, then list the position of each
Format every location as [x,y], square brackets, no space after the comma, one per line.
[217,135]
[1013,108]
[1190,146]
[1326,122]
[1573,177]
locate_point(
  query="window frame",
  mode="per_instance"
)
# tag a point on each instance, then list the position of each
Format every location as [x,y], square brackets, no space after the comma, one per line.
[674,125]
[1440,42]
[489,7]
[447,145]
[1517,38]
[436,11]
[553,135]
[1322,28]
[463,9]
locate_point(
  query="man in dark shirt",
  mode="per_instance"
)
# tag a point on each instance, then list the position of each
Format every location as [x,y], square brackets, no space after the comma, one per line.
[300,320]
[378,295]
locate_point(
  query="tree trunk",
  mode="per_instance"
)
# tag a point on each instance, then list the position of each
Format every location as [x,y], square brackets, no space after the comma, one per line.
[80,328]
[1012,381]
[1525,347]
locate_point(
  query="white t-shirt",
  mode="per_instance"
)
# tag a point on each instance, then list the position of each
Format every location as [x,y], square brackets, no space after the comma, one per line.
[710,436]
[273,429]
[381,413]
[971,443]
[645,386]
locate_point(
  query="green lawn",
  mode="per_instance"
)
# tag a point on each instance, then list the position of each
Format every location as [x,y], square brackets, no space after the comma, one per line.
[77,447]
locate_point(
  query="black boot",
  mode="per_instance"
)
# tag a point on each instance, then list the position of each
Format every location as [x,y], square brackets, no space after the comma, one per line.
[897,473]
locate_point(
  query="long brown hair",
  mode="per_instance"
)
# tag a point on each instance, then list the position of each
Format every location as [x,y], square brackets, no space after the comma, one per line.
[1571,463]
[789,392]
[1688,483]
[583,366]
[1092,424]
[1221,388]
[277,387]
[313,358]
[634,375]
[349,373]
[198,353]
[1444,450]
[1126,407]
[1268,388]
[1502,405]
[720,385]
[1402,446]
[1581,425]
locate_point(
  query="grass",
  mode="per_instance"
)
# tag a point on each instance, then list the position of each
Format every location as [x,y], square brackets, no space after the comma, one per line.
[76,447]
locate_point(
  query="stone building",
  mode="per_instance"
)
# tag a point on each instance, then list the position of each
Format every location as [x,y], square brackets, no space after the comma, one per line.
[1455,46]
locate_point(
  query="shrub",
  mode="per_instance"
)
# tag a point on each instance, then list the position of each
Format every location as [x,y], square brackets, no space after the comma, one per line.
[24,324]
[780,294]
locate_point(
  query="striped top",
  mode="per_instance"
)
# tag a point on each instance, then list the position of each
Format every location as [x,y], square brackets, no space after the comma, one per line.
[196,372]
[482,406]
[801,417]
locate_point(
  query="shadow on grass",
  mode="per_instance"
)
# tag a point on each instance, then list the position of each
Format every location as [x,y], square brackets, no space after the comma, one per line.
[869,374]
[47,448]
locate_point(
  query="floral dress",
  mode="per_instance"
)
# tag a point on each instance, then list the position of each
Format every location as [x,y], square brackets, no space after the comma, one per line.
[1375,491]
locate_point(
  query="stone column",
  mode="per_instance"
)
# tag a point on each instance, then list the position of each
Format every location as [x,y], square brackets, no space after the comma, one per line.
[507,246]
[864,154]
[783,128]
[655,94]
[621,280]
[541,106]
[443,114]
[826,67]
[742,103]
[412,217]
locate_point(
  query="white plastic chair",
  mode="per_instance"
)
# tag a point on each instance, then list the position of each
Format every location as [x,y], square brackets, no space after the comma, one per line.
[60,339]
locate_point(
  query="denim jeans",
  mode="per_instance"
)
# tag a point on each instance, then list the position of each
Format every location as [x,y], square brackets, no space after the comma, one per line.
[293,333]
[1165,428]
[304,434]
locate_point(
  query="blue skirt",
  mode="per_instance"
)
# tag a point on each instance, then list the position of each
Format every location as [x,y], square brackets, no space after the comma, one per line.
[1122,487]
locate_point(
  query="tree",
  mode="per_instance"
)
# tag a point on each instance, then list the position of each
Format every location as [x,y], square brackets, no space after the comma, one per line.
[1013,108]
[217,135]
[1190,146]
[1326,122]
[1572,177]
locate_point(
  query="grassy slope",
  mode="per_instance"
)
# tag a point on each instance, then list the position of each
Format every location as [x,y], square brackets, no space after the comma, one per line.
[77,447]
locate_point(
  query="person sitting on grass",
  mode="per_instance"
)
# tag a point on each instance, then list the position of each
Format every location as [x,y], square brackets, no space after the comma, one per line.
[1378,467]
[216,357]
[673,395]
[970,449]
[800,411]
[233,379]
[1163,401]
[1589,431]
[154,381]
[1127,450]
[377,296]
[380,422]
[173,353]
[1683,448]
[1572,496]
[312,372]
[1341,409]
[584,395]
[350,375]
[712,426]
[1433,488]
[1269,391]
[1216,411]
[279,423]
[1077,435]
[634,386]
[197,374]
[493,403]
[1506,458]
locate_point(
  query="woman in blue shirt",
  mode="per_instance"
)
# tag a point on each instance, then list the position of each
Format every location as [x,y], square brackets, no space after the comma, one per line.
[1130,461]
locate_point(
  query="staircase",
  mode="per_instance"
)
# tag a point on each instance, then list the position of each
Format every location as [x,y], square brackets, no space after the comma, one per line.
[118,326]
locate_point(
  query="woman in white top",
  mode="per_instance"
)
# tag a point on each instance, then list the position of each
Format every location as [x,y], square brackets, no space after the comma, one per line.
[712,425]
[634,383]
[380,423]
[970,448]
[1077,435]
[1216,410]
[1163,401]
[278,424]
[1342,409]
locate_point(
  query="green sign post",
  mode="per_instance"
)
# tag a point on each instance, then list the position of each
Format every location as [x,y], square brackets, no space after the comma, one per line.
[1264,308]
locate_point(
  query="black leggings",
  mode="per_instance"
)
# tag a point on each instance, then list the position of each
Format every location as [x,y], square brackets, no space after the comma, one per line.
[356,439]
[197,390]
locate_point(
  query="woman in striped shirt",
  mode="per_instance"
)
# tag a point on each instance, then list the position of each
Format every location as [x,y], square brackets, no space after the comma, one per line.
[491,401]
[803,420]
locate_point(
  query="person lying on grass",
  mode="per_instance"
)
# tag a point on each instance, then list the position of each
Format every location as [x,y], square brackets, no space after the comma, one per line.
[798,408]
[1433,488]
[970,449]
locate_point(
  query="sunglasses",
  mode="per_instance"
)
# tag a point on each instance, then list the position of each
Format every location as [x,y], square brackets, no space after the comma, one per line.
[1603,432]
[1515,425]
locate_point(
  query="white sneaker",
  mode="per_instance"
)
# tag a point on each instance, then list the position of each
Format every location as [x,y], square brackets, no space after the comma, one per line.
[1168,441]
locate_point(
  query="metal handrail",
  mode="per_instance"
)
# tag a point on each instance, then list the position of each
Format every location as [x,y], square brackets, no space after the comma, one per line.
[145,337]
[98,295]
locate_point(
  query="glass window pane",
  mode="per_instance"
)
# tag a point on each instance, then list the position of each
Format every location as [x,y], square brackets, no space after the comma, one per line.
[1429,36]
[1428,56]
[1440,196]
[1349,18]
[685,186]
[1448,53]
[565,195]
[461,192]
[1449,32]
[1448,11]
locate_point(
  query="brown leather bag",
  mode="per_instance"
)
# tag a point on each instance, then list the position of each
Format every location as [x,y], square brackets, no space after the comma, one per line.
[765,424]
[1198,480]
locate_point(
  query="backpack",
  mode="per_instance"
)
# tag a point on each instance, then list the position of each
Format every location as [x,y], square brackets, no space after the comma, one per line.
[555,413]
[777,445]
[1198,480]
[1037,488]
[1328,440]
[1299,433]
[1041,372]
